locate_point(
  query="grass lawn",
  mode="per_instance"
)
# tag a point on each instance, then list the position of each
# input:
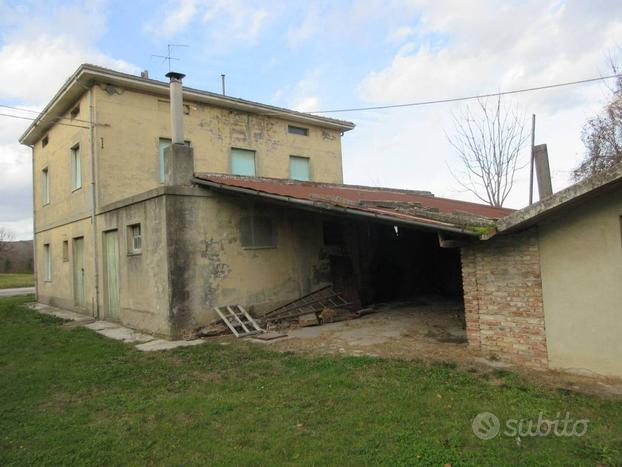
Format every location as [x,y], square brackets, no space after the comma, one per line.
[71,396]
[10,281]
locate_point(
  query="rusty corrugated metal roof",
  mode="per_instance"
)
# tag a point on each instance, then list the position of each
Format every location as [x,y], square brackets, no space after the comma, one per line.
[400,205]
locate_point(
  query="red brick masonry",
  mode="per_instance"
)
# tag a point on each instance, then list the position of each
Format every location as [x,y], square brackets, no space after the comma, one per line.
[503,298]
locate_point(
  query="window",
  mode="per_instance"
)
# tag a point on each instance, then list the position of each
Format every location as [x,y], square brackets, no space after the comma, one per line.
[75,111]
[76,168]
[135,239]
[242,162]
[45,141]
[65,250]
[299,168]
[45,186]
[256,232]
[47,263]
[296,130]
[163,144]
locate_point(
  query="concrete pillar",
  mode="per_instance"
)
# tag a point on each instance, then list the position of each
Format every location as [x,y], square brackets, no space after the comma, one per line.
[543,172]
[178,165]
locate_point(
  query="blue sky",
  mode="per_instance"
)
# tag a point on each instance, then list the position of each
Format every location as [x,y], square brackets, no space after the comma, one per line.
[322,55]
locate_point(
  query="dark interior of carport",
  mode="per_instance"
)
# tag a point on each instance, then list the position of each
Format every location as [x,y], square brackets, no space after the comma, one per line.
[379,262]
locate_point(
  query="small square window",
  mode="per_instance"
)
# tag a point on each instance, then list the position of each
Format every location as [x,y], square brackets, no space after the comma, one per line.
[65,250]
[297,130]
[75,111]
[45,141]
[257,232]
[135,239]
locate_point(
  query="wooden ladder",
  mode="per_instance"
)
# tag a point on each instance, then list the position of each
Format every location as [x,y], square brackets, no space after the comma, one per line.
[238,320]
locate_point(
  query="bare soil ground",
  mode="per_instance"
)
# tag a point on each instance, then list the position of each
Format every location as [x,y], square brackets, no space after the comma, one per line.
[427,331]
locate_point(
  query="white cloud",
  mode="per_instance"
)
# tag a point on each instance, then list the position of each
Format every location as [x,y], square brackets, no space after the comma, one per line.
[485,46]
[178,17]
[306,104]
[36,57]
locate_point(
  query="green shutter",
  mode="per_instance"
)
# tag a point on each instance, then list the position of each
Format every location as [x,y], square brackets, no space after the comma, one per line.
[242,162]
[299,168]
[164,143]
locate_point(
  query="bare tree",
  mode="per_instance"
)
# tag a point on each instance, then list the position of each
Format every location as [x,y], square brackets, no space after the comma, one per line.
[602,134]
[488,141]
[6,237]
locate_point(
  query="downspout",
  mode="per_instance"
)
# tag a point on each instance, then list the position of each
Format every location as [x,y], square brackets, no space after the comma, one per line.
[34,226]
[94,202]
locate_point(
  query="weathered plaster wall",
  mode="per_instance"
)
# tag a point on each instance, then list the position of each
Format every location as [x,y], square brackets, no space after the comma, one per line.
[581,254]
[66,205]
[131,123]
[503,298]
[59,291]
[209,267]
[144,290]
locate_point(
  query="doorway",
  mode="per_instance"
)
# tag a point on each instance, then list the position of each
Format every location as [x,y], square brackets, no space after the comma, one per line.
[111,278]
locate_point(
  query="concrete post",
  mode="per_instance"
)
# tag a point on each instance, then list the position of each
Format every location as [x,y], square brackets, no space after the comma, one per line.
[178,165]
[543,172]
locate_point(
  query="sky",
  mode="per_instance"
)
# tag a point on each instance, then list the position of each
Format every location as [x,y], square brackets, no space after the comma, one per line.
[323,55]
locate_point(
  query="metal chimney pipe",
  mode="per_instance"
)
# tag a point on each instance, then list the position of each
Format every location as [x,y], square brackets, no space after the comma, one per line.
[177,107]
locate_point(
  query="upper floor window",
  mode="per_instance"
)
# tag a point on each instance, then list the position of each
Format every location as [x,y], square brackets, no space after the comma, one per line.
[297,130]
[242,162]
[135,239]
[299,168]
[45,141]
[47,263]
[164,143]
[45,186]
[76,168]
[75,111]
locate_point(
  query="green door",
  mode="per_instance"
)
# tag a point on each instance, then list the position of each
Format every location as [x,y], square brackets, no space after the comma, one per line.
[79,286]
[111,252]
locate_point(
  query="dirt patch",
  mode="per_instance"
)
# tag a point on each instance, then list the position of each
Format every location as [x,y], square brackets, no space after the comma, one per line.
[431,333]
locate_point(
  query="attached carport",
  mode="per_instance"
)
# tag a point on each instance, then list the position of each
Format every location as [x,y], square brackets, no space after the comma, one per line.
[383,245]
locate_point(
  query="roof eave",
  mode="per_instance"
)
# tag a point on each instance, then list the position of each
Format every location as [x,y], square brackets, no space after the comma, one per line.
[89,73]
[319,205]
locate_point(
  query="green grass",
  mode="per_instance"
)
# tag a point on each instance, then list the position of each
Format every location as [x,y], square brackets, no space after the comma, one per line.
[10,281]
[71,396]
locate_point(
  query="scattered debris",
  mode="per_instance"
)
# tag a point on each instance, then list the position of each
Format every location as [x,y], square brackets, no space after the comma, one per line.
[308,319]
[269,336]
[238,320]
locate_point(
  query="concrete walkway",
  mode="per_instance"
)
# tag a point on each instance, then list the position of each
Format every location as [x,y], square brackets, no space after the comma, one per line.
[19,291]
[141,341]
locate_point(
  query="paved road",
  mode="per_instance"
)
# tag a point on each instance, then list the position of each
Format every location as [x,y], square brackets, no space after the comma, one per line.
[20,291]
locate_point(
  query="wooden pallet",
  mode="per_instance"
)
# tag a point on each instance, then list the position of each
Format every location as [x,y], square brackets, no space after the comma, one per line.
[238,320]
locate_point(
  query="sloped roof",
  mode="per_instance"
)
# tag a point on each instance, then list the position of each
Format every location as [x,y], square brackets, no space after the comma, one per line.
[418,208]
[564,199]
[87,74]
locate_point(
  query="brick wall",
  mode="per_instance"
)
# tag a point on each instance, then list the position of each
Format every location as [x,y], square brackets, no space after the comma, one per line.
[503,298]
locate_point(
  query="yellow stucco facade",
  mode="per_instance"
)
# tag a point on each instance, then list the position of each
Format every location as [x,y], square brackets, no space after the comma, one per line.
[125,146]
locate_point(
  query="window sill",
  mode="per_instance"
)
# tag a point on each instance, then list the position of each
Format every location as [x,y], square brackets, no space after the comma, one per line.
[73,190]
[267,247]
[134,253]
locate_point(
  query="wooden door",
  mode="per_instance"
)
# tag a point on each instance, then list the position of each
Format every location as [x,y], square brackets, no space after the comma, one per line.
[111,257]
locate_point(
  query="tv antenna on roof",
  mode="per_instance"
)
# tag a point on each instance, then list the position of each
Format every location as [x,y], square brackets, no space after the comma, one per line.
[169,57]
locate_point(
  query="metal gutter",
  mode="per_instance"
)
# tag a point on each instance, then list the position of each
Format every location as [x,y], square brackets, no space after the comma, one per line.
[322,206]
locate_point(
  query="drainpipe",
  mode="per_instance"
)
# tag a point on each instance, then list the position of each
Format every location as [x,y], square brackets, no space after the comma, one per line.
[177,107]
[34,227]
[94,201]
